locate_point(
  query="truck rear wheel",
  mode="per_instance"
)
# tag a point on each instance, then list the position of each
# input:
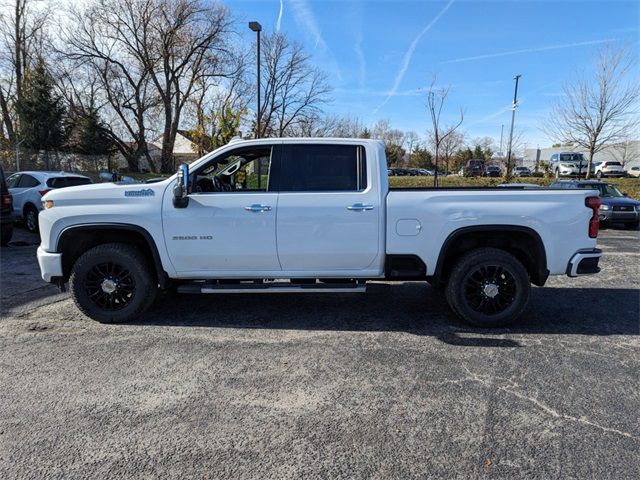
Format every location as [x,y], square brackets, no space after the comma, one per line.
[488,287]
[113,283]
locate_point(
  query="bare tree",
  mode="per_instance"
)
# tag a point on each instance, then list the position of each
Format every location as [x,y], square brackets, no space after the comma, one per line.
[292,89]
[436,98]
[393,139]
[449,144]
[626,152]
[219,107]
[99,54]
[153,54]
[601,109]
[22,38]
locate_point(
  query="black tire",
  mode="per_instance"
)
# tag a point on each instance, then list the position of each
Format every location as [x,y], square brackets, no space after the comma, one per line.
[117,267]
[599,175]
[31,218]
[7,233]
[481,273]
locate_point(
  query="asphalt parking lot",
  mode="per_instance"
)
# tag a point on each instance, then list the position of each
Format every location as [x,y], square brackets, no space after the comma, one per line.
[388,384]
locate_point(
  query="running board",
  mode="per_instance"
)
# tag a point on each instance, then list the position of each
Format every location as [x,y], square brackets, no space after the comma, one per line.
[195,288]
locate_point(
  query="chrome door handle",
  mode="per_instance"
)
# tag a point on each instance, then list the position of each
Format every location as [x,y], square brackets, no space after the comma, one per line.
[359,207]
[256,207]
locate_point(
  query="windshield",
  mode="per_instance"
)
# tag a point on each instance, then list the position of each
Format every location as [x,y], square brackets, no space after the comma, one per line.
[605,190]
[571,157]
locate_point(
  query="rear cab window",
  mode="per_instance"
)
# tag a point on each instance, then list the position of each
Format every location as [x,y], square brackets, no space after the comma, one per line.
[322,168]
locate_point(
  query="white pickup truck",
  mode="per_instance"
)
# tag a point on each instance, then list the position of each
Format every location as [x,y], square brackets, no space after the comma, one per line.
[310,215]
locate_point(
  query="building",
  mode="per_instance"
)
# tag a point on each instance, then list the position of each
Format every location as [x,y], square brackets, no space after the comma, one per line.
[627,154]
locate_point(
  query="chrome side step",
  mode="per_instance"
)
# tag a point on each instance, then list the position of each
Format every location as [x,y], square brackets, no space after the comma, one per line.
[275,287]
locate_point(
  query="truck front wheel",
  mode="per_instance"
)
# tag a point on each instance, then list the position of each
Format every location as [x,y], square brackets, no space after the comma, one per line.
[488,287]
[113,283]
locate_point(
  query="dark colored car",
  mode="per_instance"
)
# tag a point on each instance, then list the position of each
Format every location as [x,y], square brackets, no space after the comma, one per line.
[7,211]
[615,207]
[474,168]
[492,171]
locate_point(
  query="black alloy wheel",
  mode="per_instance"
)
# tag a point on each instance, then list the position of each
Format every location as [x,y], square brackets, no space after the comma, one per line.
[488,287]
[113,283]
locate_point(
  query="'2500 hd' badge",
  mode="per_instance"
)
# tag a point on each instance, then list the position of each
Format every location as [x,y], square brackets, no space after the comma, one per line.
[145,192]
[193,237]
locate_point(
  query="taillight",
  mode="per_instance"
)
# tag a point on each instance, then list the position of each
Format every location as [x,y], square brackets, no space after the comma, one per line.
[43,192]
[7,199]
[594,223]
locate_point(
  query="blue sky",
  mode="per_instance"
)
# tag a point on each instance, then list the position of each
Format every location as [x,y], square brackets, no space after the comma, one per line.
[380,54]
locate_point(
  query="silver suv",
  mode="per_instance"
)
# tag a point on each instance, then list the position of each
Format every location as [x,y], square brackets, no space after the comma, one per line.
[567,164]
[28,188]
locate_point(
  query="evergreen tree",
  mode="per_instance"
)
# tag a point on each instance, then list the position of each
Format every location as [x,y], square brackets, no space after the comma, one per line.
[87,132]
[40,111]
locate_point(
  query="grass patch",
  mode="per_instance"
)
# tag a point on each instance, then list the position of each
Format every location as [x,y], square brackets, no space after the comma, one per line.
[631,186]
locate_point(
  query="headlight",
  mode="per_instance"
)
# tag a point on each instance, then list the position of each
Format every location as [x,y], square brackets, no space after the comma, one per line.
[48,204]
[604,207]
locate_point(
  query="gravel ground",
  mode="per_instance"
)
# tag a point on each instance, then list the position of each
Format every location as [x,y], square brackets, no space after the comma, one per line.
[382,385]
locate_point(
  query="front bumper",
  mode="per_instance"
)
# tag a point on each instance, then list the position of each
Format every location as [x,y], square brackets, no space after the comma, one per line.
[618,216]
[584,262]
[50,264]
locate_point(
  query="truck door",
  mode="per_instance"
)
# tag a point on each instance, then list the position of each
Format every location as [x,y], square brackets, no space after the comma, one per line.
[229,225]
[328,211]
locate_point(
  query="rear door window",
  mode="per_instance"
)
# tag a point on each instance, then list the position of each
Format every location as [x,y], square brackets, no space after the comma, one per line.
[27,181]
[323,168]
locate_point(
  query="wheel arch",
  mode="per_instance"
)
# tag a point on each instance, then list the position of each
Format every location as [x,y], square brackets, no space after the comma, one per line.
[75,240]
[522,242]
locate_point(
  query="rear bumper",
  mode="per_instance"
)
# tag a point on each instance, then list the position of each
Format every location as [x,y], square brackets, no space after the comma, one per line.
[50,264]
[584,262]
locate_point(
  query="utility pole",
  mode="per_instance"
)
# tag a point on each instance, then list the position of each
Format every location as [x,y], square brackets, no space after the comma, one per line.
[18,154]
[513,118]
[501,135]
[256,27]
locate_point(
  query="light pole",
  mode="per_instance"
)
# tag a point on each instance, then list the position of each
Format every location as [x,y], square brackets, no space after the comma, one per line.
[513,117]
[256,27]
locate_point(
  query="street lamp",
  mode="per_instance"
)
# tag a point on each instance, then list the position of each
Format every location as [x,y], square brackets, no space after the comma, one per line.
[513,117]
[256,27]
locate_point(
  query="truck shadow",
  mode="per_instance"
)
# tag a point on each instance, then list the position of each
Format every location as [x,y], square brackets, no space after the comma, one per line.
[409,307]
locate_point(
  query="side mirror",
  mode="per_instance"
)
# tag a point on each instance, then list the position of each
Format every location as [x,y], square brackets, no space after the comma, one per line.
[181,189]
[625,194]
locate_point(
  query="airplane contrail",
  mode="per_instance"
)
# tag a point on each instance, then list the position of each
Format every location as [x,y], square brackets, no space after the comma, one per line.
[409,55]
[529,50]
[279,16]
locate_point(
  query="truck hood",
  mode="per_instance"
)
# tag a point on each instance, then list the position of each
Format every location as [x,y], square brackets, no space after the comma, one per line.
[619,201]
[105,193]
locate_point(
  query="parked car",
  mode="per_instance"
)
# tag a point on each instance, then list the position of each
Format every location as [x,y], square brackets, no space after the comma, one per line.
[633,171]
[492,171]
[522,172]
[6,212]
[615,205]
[609,169]
[474,168]
[28,188]
[333,215]
[567,164]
